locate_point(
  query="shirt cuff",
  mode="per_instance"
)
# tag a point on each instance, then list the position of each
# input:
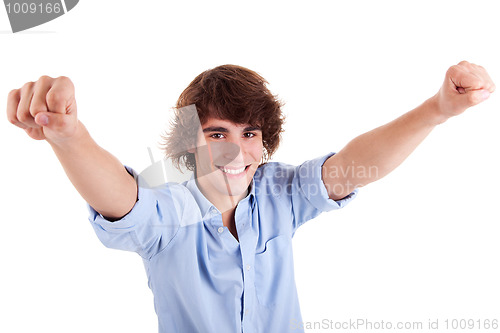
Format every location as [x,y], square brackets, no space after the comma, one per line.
[311,184]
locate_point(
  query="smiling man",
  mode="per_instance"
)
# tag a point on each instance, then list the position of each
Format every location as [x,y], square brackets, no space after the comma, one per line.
[227,177]
[217,248]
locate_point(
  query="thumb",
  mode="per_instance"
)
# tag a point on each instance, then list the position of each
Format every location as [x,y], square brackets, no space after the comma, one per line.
[474,97]
[57,122]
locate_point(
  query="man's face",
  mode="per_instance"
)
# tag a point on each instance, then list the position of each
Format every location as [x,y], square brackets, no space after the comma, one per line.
[227,156]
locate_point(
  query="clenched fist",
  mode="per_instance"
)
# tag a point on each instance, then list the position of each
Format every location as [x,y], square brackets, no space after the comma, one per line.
[45,109]
[465,85]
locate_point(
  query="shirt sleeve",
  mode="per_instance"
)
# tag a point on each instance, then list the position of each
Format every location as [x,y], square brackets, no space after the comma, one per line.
[310,197]
[149,226]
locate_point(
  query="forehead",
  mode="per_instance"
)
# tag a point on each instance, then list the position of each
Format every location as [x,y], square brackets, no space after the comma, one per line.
[226,124]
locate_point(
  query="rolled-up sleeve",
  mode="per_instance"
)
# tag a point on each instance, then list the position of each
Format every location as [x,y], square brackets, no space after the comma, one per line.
[311,197]
[149,226]
[313,188]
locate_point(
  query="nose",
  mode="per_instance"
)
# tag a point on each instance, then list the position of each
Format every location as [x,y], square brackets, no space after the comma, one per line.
[232,151]
[224,153]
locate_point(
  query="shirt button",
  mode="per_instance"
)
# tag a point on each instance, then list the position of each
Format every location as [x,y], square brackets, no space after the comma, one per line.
[220,230]
[248,267]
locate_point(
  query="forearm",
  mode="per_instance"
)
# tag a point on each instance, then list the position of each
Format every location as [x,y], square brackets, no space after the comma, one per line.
[374,154]
[96,174]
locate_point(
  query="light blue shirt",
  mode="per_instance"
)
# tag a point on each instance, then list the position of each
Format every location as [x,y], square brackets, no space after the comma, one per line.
[202,278]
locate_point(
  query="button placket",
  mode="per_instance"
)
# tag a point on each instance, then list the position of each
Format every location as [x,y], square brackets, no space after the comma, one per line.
[214,221]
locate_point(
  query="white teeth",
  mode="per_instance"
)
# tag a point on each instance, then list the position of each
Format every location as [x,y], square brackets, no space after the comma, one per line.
[233,171]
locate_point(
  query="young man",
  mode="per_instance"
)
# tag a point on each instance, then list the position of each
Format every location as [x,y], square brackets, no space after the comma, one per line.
[217,248]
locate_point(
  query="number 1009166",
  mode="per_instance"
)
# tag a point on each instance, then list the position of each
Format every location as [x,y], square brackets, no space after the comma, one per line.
[33,8]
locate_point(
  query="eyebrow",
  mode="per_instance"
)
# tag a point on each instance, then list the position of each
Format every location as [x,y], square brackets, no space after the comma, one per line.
[225,130]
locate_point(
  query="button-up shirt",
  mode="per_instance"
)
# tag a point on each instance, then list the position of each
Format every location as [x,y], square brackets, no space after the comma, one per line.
[202,278]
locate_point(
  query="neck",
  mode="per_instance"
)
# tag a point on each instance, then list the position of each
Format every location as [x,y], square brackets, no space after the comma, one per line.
[226,205]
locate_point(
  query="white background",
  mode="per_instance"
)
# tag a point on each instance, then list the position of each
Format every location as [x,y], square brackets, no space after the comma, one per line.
[421,244]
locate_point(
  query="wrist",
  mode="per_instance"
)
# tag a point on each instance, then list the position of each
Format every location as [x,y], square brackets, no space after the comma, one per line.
[433,113]
[72,141]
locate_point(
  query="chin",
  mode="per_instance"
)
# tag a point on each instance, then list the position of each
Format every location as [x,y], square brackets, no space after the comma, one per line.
[236,188]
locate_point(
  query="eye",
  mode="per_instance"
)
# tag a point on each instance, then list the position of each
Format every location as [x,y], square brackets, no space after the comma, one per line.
[217,136]
[249,135]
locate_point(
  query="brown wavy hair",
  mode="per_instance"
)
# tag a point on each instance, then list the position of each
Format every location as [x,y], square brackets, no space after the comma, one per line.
[227,92]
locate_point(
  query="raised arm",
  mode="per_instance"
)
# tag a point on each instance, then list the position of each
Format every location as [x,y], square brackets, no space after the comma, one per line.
[46,110]
[374,154]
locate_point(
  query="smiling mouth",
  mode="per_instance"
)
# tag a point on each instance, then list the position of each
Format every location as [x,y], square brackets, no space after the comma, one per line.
[233,171]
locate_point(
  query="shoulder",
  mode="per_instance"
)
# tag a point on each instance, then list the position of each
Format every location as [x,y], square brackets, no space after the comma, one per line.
[172,189]
[172,196]
[273,172]
[274,179]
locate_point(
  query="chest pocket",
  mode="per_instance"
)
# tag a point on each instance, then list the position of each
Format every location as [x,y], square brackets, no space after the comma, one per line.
[274,277]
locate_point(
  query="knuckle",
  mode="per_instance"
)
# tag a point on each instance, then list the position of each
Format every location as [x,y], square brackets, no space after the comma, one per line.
[13,100]
[476,82]
[452,70]
[44,79]
[65,80]
[27,86]
[54,97]
[13,93]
